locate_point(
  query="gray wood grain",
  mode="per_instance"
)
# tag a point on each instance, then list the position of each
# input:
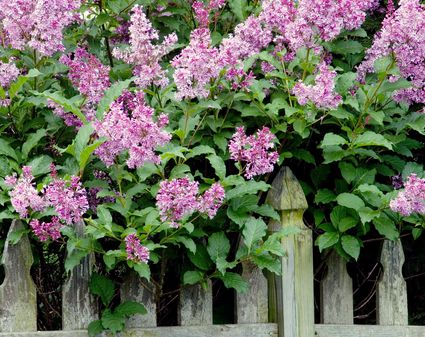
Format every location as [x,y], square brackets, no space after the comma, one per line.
[18,297]
[79,306]
[195,306]
[391,295]
[293,291]
[230,330]
[336,292]
[252,306]
[323,330]
[138,290]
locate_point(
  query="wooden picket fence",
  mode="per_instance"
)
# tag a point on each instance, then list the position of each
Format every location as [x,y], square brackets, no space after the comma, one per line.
[275,306]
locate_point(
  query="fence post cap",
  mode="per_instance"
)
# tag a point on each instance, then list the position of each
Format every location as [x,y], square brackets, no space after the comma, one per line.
[286,192]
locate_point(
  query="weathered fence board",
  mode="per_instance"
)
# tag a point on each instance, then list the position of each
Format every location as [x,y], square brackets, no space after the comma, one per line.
[138,290]
[391,293]
[336,292]
[252,306]
[296,307]
[18,299]
[329,330]
[228,330]
[79,306]
[195,307]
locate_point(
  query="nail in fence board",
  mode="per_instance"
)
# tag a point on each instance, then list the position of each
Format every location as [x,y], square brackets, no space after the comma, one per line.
[195,307]
[18,299]
[139,290]
[336,292]
[294,289]
[391,293]
[79,306]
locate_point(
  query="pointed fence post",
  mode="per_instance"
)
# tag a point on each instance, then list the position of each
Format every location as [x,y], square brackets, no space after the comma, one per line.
[138,290]
[18,297]
[293,294]
[336,292]
[195,307]
[79,306]
[391,293]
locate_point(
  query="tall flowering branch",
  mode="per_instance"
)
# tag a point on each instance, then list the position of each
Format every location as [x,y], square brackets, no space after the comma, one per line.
[254,151]
[412,198]
[143,53]
[129,126]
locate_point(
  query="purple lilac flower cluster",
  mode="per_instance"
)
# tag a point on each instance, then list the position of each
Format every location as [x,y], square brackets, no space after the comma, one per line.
[87,74]
[254,151]
[37,23]
[68,198]
[322,93]
[179,198]
[8,73]
[202,11]
[143,53]
[403,36]
[412,198]
[135,251]
[129,126]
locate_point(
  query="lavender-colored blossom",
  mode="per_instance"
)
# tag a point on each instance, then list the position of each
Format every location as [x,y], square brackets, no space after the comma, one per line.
[254,151]
[402,35]
[143,53]
[47,230]
[129,126]
[68,198]
[8,73]
[211,200]
[135,251]
[322,93]
[24,196]
[87,74]
[196,66]
[68,117]
[176,199]
[412,198]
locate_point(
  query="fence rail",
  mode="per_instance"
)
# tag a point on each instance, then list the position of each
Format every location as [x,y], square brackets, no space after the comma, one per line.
[286,301]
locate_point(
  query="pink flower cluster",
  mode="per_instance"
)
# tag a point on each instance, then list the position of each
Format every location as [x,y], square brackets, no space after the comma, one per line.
[254,150]
[87,74]
[135,251]
[143,53]
[129,126]
[179,198]
[37,23]
[47,230]
[203,11]
[8,73]
[402,35]
[322,93]
[68,198]
[68,118]
[24,196]
[412,198]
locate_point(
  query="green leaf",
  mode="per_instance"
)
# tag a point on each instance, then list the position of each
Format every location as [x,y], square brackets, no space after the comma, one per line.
[351,246]
[74,259]
[350,200]
[386,227]
[113,321]
[327,240]
[367,214]
[332,139]
[370,138]
[254,230]
[218,245]
[235,281]
[103,287]
[348,171]
[111,95]
[250,187]
[268,211]
[67,104]
[192,277]
[200,150]
[86,153]
[347,223]
[32,141]
[187,242]
[324,196]
[268,262]
[345,47]
[218,164]
[129,308]
[143,270]
[201,259]
[40,165]
[7,150]
[82,138]
[95,328]
[238,8]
